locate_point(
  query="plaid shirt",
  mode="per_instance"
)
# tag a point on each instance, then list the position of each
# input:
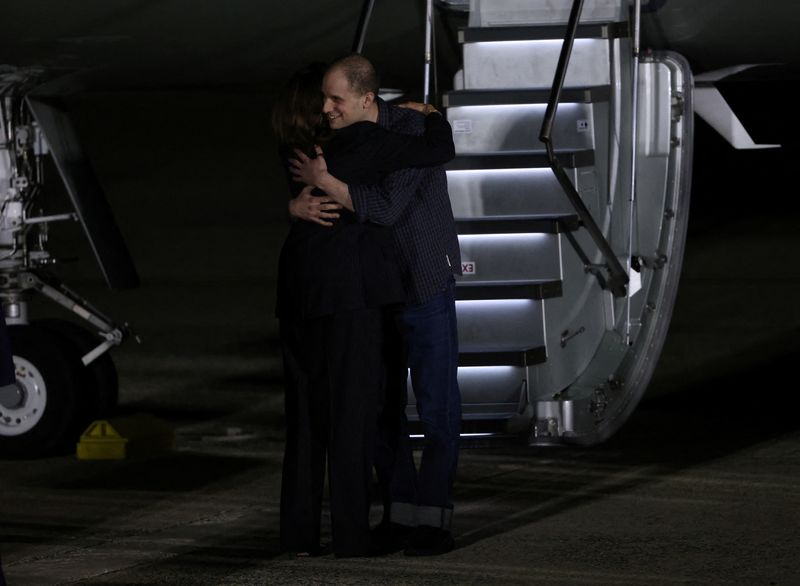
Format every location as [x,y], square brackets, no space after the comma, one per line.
[416,203]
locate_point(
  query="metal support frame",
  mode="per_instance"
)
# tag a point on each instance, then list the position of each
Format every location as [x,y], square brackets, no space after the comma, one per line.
[113,335]
[361,33]
[21,266]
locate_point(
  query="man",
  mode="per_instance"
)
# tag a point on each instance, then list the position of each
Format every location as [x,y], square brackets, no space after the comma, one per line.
[416,203]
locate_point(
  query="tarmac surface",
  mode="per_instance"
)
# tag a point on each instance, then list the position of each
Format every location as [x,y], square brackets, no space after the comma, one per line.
[701,486]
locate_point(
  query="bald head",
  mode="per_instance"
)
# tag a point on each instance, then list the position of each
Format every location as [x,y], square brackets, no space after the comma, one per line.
[359,73]
[350,86]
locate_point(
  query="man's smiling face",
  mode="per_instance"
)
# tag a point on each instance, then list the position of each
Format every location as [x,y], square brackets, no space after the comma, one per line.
[343,106]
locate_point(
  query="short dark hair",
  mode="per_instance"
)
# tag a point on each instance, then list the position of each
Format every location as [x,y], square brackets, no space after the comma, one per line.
[297,114]
[359,72]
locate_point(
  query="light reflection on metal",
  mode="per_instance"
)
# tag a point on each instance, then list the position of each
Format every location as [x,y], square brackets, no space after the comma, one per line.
[502,238]
[495,172]
[484,370]
[421,436]
[481,305]
[464,111]
[535,44]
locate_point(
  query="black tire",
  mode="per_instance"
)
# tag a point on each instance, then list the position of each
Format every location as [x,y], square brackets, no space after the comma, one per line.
[102,384]
[45,421]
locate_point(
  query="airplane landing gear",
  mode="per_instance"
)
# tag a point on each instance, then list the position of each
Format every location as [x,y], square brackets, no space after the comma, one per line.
[65,377]
[41,416]
[56,395]
[99,377]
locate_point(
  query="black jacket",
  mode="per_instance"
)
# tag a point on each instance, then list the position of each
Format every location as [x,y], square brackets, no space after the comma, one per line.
[353,265]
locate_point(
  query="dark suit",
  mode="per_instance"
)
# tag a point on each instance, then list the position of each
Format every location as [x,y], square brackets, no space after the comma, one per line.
[333,286]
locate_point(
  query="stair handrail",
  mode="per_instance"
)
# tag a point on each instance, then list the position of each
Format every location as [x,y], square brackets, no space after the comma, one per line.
[361,27]
[618,278]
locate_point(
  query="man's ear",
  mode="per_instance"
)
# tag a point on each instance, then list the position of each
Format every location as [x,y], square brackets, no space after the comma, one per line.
[369,97]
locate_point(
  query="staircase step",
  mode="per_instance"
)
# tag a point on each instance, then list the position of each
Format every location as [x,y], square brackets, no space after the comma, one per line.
[545,32]
[492,97]
[508,290]
[515,127]
[499,327]
[504,257]
[489,390]
[518,357]
[570,160]
[532,64]
[518,225]
[511,194]
[509,12]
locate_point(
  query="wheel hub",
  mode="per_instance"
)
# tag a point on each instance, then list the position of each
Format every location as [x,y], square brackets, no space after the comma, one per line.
[12,396]
[23,407]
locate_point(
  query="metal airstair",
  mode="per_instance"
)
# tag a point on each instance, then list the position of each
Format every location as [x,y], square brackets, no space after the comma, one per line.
[553,346]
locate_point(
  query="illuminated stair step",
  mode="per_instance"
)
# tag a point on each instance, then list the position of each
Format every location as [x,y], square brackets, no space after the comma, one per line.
[503,325]
[532,64]
[493,387]
[492,97]
[542,32]
[510,257]
[502,12]
[511,194]
[515,127]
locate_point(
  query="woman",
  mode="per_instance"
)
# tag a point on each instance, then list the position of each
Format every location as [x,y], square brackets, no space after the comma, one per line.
[333,285]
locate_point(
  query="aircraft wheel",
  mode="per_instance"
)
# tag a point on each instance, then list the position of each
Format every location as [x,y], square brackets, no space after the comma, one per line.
[102,384]
[40,417]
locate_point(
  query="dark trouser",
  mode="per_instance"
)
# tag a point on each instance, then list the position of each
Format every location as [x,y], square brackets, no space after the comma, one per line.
[334,384]
[430,341]
[394,462]
[306,412]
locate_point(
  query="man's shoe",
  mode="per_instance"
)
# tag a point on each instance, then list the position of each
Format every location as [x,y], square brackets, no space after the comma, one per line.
[429,541]
[389,538]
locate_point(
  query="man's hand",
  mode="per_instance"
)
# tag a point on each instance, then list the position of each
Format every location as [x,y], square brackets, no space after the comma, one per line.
[307,170]
[315,172]
[424,108]
[312,208]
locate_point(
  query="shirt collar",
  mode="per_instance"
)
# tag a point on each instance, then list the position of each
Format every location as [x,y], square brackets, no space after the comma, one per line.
[383,112]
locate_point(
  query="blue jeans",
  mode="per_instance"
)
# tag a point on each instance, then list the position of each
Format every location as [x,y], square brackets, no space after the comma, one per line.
[430,344]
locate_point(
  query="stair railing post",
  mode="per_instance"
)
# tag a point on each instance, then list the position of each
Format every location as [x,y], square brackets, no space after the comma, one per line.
[426,85]
[637,16]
